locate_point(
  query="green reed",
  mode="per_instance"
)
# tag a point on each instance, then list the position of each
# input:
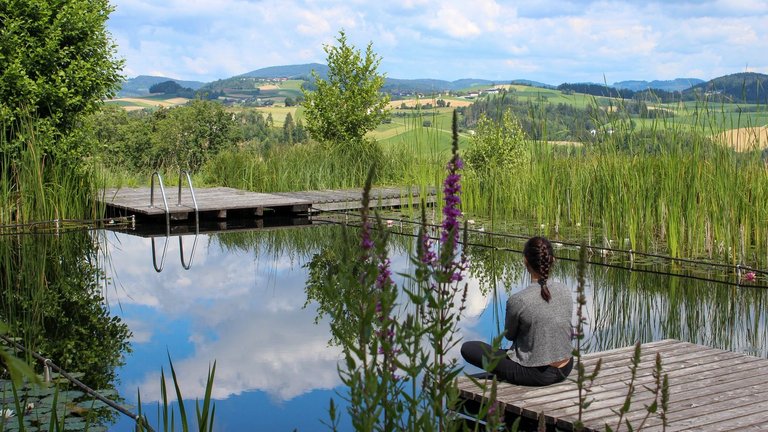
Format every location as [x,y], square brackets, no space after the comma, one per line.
[35,187]
[665,188]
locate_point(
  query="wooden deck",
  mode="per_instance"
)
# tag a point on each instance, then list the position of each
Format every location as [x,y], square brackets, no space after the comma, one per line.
[222,203]
[710,389]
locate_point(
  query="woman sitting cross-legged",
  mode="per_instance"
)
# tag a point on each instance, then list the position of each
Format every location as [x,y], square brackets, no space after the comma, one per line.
[538,322]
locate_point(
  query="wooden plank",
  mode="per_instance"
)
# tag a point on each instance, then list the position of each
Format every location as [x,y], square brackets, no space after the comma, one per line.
[693,385]
[718,415]
[709,389]
[221,199]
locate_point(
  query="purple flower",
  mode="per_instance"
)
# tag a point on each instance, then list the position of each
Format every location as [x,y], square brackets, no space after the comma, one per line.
[428,256]
[384,277]
[452,197]
[750,276]
[366,243]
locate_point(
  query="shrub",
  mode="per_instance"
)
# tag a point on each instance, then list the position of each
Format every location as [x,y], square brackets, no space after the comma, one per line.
[497,146]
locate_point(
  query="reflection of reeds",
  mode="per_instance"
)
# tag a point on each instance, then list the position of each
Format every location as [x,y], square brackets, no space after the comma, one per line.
[645,304]
[631,306]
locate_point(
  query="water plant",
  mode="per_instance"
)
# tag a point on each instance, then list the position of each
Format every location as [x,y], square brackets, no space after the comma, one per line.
[168,414]
[395,367]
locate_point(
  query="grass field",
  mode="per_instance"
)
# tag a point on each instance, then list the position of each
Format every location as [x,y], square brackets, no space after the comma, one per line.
[153,101]
[279,113]
[745,139]
[742,126]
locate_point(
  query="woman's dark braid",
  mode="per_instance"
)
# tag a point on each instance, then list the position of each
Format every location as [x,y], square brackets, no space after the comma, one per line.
[538,251]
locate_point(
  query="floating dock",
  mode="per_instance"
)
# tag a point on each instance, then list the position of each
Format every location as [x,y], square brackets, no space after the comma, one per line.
[709,389]
[227,203]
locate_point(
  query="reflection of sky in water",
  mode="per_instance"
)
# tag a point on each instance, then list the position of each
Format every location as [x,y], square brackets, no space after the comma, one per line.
[244,311]
[273,362]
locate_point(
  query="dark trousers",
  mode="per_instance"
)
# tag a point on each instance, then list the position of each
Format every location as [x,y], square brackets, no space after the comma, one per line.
[481,354]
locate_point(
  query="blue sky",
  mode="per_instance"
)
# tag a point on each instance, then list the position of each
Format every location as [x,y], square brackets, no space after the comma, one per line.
[551,41]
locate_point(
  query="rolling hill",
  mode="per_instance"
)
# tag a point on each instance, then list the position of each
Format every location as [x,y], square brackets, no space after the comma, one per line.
[289,71]
[739,87]
[745,87]
[677,84]
[139,86]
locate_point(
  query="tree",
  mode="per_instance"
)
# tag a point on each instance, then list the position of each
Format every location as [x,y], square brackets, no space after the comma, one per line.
[185,137]
[497,146]
[168,87]
[56,64]
[288,129]
[349,103]
[289,101]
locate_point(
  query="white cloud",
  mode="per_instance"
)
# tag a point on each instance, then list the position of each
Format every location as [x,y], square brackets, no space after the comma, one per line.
[547,40]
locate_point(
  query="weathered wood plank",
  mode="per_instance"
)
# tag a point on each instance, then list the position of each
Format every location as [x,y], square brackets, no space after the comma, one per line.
[221,199]
[710,389]
[689,386]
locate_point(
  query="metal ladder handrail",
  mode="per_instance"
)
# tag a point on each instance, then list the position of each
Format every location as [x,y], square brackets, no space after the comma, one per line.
[191,190]
[162,191]
[184,264]
[167,219]
[165,249]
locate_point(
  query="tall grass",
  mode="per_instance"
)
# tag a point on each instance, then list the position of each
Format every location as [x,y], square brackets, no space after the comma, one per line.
[36,188]
[660,184]
[664,187]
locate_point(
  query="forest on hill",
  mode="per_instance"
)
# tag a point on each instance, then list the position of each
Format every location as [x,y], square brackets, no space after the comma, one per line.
[748,87]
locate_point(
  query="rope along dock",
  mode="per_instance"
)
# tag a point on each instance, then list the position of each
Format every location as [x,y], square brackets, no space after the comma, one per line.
[710,389]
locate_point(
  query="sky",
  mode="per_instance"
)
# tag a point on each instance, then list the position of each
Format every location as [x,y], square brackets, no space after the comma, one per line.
[550,41]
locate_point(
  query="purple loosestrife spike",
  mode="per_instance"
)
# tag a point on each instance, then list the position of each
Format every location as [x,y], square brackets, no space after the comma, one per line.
[428,255]
[384,278]
[451,211]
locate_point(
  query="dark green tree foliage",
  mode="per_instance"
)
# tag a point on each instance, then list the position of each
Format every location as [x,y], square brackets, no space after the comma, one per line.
[172,88]
[182,137]
[746,87]
[185,138]
[56,64]
[539,119]
[597,90]
[288,129]
[167,87]
[348,104]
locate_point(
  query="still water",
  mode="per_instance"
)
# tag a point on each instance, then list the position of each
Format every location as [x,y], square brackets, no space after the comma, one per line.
[242,304]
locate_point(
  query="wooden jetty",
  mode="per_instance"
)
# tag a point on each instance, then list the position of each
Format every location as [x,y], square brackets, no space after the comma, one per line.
[223,203]
[709,389]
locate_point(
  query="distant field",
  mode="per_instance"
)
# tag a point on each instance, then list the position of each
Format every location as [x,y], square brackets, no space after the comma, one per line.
[455,102]
[279,113]
[744,139]
[137,103]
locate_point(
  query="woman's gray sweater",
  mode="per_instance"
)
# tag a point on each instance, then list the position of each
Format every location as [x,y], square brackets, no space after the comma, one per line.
[541,331]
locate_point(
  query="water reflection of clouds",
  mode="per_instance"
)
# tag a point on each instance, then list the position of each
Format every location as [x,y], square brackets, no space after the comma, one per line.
[246,313]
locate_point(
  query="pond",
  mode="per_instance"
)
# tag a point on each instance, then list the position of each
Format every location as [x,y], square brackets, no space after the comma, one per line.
[242,303]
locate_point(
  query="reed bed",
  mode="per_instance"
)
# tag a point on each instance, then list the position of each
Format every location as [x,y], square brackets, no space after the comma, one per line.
[659,185]
[680,203]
